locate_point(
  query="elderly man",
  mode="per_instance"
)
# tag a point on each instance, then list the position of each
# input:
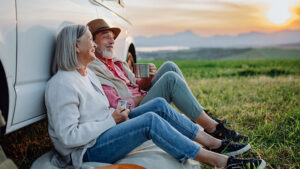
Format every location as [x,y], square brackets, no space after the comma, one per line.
[119,83]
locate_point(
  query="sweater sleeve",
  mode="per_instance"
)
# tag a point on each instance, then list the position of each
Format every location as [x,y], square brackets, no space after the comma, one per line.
[63,114]
[114,98]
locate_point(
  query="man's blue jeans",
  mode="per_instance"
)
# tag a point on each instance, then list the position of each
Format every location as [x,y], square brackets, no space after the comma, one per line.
[155,120]
[169,84]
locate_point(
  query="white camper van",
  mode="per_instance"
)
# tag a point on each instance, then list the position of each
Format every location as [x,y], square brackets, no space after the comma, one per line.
[27,35]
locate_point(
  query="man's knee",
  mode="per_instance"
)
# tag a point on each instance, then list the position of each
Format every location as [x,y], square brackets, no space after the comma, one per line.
[171,76]
[171,65]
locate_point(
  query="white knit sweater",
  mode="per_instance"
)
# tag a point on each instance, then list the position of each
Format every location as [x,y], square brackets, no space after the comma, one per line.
[77,115]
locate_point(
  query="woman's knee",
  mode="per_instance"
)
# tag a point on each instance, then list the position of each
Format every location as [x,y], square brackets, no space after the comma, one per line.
[150,117]
[160,102]
[152,120]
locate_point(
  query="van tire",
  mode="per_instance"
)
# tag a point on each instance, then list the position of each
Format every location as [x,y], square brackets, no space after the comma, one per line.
[3,95]
[130,61]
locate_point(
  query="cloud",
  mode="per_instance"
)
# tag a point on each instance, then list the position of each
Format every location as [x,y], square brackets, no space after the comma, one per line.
[195,15]
[296,18]
[205,17]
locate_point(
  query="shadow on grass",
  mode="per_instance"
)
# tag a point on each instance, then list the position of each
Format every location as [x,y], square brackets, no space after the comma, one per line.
[272,72]
[27,144]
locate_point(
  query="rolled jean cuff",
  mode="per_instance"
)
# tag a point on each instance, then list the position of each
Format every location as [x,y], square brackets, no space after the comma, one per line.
[195,131]
[196,113]
[191,156]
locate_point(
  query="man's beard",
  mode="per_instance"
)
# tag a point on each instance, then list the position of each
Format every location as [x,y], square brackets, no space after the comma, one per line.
[105,53]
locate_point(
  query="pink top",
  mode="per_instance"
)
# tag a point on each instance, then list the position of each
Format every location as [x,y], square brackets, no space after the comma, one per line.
[118,71]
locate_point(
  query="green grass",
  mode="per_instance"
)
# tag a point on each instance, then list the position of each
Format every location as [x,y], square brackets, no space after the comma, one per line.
[236,68]
[265,108]
[260,99]
[263,104]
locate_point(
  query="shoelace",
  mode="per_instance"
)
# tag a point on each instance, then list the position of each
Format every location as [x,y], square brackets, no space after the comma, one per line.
[249,164]
[236,146]
[230,132]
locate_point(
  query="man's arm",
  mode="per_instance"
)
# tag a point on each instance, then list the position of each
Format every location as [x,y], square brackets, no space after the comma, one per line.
[114,98]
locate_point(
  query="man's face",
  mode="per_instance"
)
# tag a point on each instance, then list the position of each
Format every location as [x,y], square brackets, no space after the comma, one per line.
[105,44]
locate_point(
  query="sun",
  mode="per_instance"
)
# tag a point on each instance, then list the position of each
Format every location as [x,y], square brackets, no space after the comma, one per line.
[279,13]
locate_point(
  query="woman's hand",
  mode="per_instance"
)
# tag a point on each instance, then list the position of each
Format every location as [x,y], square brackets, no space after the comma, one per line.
[121,114]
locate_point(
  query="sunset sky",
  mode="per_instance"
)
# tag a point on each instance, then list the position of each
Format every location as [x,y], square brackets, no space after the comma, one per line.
[212,17]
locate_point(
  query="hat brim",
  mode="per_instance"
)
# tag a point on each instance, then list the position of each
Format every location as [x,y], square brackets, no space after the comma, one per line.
[115,30]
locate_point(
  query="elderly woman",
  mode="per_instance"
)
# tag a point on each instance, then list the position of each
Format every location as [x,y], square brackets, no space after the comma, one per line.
[82,127]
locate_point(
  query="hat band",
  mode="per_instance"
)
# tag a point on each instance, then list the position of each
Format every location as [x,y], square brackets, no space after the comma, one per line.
[100,30]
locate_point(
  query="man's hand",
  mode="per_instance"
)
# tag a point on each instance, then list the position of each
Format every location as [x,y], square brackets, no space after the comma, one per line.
[152,69]
[137,100]
[121,114]
[145,83]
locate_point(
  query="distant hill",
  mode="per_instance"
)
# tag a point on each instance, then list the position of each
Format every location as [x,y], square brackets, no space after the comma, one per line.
[252,39]
[222,54]
[289,46]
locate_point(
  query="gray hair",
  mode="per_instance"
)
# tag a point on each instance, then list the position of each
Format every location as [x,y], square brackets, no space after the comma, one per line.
[65,57]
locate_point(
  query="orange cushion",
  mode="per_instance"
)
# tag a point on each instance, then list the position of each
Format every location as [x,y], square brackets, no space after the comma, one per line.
[121,166]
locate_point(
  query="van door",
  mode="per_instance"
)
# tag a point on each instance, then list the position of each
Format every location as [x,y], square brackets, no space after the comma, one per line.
[38,22]
[7,57]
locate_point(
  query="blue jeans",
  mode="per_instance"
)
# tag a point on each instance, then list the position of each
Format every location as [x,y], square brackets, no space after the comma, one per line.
[169,84]
[155,120]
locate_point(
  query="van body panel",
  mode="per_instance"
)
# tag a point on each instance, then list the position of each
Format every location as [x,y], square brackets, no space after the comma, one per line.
[27,39]
[8,53]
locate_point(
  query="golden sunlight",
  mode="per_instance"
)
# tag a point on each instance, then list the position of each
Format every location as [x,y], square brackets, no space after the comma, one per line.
[279,13]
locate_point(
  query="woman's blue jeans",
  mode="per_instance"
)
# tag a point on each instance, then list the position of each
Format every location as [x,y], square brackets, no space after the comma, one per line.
[155,120]
[169,84]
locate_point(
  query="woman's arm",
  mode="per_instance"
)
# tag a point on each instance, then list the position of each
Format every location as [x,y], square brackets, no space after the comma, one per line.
[63,113]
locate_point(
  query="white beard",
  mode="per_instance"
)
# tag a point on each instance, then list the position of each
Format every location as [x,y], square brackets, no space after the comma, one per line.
[105,54]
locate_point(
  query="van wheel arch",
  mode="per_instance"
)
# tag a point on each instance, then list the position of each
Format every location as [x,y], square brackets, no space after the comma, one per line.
[131,57]
[4,97]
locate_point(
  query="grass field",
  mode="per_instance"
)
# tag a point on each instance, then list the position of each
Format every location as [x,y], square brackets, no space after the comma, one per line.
[260,99]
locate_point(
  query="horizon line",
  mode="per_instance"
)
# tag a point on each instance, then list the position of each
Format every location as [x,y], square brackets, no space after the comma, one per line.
[188,30]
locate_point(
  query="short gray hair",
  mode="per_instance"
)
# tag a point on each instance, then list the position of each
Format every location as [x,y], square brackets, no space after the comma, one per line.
[65,57]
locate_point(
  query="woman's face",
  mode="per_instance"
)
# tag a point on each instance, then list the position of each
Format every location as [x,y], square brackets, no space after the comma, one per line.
[85,49]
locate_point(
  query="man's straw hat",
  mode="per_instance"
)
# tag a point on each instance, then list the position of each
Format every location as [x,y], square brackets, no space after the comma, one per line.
[99,25]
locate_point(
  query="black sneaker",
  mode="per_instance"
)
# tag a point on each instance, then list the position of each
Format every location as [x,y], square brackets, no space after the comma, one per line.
[223,133]
[234,163]
[214,118]
[231,149]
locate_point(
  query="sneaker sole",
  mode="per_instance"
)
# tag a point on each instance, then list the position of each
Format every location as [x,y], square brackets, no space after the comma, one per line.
[240,151]
[262,164]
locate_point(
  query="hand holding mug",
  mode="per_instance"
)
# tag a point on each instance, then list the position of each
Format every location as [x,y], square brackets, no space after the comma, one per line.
[152,69]
[121,114]
[141,70]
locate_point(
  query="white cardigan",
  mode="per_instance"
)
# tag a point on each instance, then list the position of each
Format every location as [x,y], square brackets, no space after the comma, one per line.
[77,115]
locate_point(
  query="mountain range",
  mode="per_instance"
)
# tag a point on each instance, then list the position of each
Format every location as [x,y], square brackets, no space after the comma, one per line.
[190,39]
